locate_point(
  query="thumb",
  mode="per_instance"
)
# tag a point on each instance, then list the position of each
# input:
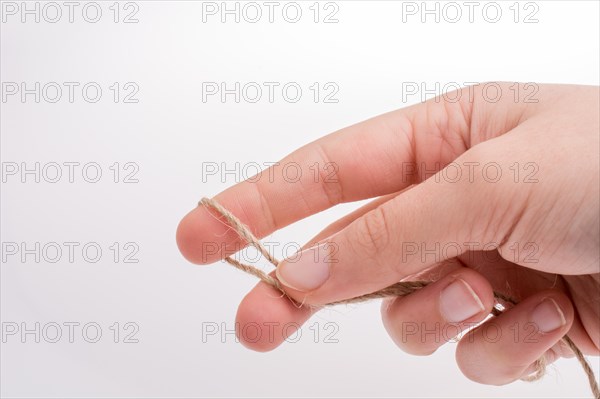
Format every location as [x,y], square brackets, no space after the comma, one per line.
[438,219]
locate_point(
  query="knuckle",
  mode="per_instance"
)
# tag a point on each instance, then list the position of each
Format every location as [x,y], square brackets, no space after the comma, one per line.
[483,159]
[486,185]
[485,363]
[329,183]
[409,335]
[372,234]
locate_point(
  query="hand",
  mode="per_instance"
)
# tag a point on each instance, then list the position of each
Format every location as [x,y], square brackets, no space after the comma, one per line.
[514,207]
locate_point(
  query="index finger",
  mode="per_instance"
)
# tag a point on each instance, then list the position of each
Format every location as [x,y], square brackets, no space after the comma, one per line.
[365,160]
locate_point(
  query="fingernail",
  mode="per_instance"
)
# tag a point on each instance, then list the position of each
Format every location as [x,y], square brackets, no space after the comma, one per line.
[458,302]
[305,271]
[547,316]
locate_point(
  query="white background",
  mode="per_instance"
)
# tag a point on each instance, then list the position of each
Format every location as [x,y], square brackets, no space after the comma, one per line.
[171,132]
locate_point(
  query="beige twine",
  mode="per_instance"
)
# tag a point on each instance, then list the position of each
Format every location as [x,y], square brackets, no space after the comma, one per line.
[396,290]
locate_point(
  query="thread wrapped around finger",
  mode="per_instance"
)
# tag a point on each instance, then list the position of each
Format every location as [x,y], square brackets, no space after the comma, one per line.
[399,289]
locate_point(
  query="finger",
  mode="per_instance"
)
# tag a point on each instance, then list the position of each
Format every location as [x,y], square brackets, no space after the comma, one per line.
[362,161]
[586,337]
[425,225]
[507,277]
[426,319]
[504,348]
[344,221]
[265,318]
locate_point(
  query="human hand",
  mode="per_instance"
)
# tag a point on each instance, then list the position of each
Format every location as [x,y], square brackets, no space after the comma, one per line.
[514,207]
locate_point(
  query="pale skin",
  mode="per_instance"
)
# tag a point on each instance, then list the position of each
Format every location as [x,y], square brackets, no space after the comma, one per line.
[534,234]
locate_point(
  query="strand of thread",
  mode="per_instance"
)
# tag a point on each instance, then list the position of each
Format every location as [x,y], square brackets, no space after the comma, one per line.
[399,289]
